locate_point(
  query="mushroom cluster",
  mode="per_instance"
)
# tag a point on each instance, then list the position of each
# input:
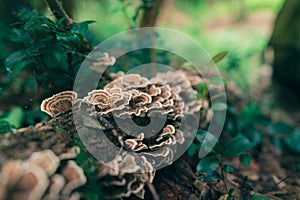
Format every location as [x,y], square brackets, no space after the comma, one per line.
[38,177]
[142,118]
[167,97]
[124,176]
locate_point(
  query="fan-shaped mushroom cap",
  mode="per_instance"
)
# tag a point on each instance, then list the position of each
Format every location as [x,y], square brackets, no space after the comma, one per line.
[33,178]
[59,103]
[57,182]
[12,171]
[32,185]
[74,177]
[46,159]
[100,98]
[106,60]
[70,154]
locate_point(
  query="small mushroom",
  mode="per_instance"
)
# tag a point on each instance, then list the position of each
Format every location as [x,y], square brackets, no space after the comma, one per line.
[117,75]
[74,196]
[70,154]
[130,179]
[59,103]
[12,171]
[74,177]
[154,91]
[128,165]
[57,182]
[32,185]
[106,60]
[100,98]
[136,144]
[46,159]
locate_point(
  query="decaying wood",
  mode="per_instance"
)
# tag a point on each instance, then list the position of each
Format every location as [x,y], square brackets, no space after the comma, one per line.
[59,133]
[56,134]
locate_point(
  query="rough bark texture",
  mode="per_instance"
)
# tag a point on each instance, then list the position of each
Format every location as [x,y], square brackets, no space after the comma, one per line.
[56,134]
[173,182]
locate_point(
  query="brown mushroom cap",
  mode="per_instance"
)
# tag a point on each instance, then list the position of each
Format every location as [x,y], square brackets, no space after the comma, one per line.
[57,182]
[74,177]
[33,183]
[46,159]
[58,103]
[100,98]
[12,171]
[33,178]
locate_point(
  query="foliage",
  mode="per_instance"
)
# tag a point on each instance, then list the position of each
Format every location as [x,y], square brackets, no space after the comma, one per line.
[50,53]
[5,127]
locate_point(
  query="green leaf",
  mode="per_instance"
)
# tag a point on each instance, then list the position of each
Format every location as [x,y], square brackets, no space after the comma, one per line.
[245,159]
[293,142]
[210,177]
[231,191]
[220,56]
[255,136]
[219,106]
[281,128]
[15,117]
[237,146]
[193,149]
[207,165]
[82,27]
[38,48]
[13,59]
[5,127]
[257,196]
[207,140]
[228,168]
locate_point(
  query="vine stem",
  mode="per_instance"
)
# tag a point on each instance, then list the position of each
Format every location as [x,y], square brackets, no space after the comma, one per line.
[222,173]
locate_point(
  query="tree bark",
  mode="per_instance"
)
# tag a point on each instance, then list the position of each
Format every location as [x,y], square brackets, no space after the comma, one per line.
[59,134]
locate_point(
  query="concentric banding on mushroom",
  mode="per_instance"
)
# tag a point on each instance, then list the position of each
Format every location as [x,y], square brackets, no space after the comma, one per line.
[99,98]
[59,103]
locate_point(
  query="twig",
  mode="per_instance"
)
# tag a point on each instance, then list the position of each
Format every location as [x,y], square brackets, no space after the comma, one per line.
[150,13]
[67,22]
[60,14]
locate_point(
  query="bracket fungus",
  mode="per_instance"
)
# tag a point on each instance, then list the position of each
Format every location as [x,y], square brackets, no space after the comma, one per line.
[59,103]
[127,111]
[38,177]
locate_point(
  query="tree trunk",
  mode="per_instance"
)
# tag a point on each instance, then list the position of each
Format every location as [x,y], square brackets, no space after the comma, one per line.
[151,12]
[286,43]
